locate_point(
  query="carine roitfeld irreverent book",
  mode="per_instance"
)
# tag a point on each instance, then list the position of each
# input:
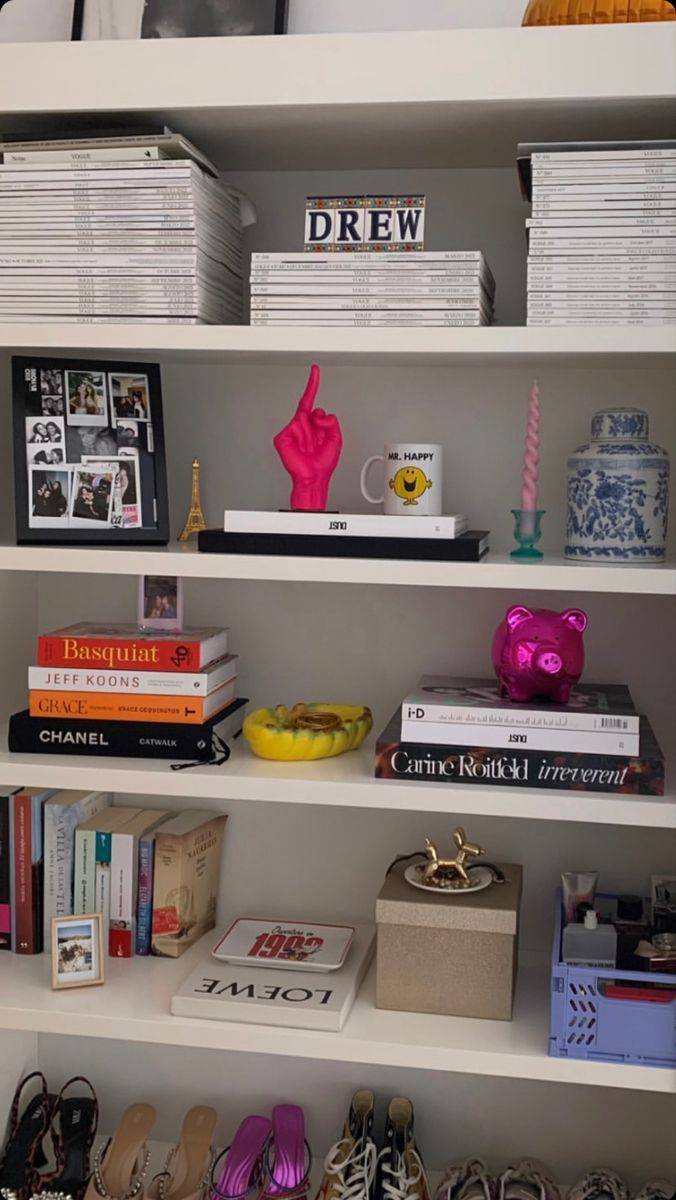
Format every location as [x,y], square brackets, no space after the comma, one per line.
[89,460]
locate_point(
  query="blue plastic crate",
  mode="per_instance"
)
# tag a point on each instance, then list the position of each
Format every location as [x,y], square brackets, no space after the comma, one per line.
[587,1023]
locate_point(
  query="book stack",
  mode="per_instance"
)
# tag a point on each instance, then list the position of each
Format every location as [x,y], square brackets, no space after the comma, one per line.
[152,876]
[411,288]
[463,731]
[602,235]
[119,690]
[120,228]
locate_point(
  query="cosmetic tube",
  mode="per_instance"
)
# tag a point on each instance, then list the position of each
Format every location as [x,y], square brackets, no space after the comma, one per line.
[578,887]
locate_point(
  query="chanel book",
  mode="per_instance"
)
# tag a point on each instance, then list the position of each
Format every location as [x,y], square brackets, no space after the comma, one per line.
[221,991]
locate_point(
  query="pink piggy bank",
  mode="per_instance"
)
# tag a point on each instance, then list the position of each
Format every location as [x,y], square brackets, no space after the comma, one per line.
[538,653]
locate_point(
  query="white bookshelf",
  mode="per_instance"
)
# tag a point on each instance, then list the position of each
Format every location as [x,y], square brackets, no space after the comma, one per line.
[498,346]
[289,117]
[494,571]
[344,782]
[370,1037]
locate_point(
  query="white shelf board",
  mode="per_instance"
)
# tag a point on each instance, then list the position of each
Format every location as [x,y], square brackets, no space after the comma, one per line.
[490,346]
[345,782]
[494,571]
[514,1049]
[429,98]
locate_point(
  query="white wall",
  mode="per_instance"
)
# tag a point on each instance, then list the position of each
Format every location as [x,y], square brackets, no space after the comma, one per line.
[367,16]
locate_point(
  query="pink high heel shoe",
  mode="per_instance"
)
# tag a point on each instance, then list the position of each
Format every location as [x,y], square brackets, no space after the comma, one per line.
[242,1163]
[288,1157]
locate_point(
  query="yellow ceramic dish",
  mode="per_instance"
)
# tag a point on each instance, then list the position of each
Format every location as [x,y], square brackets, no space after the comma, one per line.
[307,731]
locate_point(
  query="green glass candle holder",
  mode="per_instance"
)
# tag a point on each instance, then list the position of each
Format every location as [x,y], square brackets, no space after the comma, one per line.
[527,533]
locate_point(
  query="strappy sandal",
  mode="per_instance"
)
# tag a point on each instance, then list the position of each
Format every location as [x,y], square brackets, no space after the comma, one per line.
[241,1165]
[469,1180]
[73,1128]
[188,1168]
[120,1168]
[23,1154]
[527,1180]
[288,1156]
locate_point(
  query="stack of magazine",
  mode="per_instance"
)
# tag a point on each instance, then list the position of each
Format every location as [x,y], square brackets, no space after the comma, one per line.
[602,236]
[455,730]
[375,288]
[131,228]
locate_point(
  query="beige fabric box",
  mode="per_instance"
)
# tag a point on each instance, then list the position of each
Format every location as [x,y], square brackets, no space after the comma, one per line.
[454,955]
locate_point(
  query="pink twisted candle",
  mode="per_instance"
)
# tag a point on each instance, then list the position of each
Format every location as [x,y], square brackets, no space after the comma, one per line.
[531,458]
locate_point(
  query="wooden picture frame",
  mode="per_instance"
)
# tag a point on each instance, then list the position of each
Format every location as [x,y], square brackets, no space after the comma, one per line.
[78,952]
[86,432]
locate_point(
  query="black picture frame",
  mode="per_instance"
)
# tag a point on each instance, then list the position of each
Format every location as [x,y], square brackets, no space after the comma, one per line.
[78,18]
[281,17]
[28,401]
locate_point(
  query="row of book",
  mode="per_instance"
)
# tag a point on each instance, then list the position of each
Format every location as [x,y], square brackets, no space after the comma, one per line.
[152,876]
[458,730]
[130,691]
[408,288]
[132,228]
[602,235]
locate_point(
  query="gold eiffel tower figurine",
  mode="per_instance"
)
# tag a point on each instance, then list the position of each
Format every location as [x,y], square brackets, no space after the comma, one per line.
[195,521]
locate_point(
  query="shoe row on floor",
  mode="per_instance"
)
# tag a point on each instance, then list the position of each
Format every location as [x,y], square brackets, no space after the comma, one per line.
[269,1158]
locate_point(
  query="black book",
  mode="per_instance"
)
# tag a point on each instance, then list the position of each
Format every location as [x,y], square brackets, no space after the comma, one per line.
[5,890]
[469,547]
[126,739]
[517,767]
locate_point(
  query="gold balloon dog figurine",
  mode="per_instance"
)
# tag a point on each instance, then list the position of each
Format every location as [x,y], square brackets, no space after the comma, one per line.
[453,868]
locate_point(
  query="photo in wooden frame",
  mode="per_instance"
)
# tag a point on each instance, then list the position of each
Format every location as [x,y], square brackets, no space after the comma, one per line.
[89,456]
[78,953]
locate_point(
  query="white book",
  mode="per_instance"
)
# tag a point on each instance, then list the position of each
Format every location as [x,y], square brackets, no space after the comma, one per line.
[148,683]
[620,235]
[598,208]
[87,320]
[124,880]
[376,305]
[344,524]
[409,322]
[583,322]
[443,733]
[596,250]
[624,220]
[599,288]
[611,304]
[71,171]
[380,257]
[63,812]
[623,262]
[543,191]
[139,258]
[275,291]
[619,172]
[645,153]
[221,991]
[169,145]
[79,157]
[596,708]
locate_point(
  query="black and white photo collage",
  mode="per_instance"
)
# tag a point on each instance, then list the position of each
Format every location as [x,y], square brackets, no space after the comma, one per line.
[83,449]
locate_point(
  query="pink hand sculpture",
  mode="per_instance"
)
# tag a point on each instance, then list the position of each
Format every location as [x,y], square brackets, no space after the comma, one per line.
[309,447]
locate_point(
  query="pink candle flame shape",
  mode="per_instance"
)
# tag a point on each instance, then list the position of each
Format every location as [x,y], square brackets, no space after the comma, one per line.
[531,458]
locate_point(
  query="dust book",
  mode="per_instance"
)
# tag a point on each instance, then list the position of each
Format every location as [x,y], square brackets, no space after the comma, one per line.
[221,991]
[188,852]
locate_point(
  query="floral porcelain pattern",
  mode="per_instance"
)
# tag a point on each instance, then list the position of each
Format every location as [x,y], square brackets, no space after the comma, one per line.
[618,492]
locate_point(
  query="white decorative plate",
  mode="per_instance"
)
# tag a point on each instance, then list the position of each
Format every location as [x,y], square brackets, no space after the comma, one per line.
[481,878]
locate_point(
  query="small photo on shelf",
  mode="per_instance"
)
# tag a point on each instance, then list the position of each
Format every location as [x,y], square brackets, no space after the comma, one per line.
[160,602]
[77,951]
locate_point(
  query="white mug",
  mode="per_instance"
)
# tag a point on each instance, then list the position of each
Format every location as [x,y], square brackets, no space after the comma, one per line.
[413,479]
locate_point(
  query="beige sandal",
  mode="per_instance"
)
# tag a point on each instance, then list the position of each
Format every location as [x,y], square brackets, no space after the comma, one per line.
[188,1167]
[121,1166]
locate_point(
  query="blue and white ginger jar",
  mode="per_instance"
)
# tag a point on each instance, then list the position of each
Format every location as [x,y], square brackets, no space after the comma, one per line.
[618,492]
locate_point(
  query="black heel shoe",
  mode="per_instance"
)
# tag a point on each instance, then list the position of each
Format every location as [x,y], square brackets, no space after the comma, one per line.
[23,1153]
[73,1128]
